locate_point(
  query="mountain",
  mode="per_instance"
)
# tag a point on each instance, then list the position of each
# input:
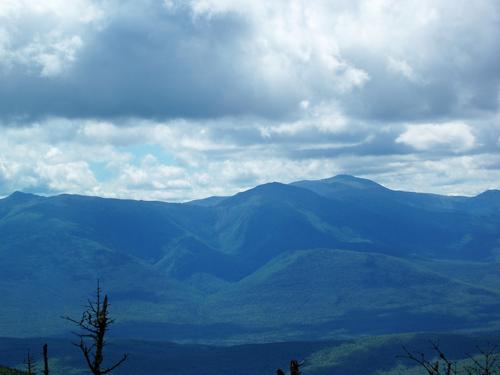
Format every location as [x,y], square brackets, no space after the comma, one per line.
[356,293]
[307,260]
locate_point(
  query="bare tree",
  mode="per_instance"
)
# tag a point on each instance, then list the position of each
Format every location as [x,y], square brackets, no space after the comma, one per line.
[30,365]
[486,364]
[45,360]
[94,324]
[294,368]
[441,366]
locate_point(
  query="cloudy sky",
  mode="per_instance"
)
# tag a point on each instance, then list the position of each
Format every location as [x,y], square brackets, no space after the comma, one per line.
[181,99]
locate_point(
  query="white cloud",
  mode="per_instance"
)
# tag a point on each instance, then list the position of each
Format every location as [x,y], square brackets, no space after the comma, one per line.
[402,67]
[455,175]
[45,36]
[65,176]
[152,175]
[62,54]
[61,156]
[455,136]
[292,41]
[323,118]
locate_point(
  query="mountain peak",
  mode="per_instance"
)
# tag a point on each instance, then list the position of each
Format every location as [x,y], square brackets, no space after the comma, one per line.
[352,181]
[490,197]
[266,192]
[21,196]
[267,188]
[489,193]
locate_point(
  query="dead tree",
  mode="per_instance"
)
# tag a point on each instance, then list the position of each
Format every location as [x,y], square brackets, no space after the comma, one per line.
[30,365]
[441,366]
[94,324]
[45,360]
[486,364]
[294,368]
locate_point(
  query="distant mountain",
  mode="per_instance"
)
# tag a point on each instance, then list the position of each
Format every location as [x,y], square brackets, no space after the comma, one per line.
[307,260]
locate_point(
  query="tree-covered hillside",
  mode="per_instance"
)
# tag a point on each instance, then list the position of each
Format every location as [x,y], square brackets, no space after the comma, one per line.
[309,260]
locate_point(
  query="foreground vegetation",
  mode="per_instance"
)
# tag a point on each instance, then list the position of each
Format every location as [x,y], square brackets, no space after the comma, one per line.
[377,355]
[445,354]
[9,371]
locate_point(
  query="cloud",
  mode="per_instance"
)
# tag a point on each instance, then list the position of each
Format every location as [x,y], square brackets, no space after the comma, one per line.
[64,176]
[174,100]
[43,38]
[402,67]
[454,136]
[446,48]
[152,61]
[455,175]
[213,59]
[179,160]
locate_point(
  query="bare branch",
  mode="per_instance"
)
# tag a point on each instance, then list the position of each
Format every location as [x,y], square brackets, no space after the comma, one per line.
[124,358]
[95,323]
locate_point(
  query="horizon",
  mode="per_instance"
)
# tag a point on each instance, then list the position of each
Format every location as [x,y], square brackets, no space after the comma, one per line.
[174,100]
[242,191]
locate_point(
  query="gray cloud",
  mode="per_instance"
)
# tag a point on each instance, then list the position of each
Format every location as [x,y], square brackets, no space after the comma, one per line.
[144,63]
[181,99]
[147,62]
[144,60]
[213,59]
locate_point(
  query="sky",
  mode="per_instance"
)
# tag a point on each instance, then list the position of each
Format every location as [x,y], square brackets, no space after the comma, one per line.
[180,99]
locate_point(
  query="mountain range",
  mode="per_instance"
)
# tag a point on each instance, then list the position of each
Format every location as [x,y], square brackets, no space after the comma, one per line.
[309,260]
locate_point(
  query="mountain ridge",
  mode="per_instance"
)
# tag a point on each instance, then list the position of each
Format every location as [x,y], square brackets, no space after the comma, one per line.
[345,179]
[336,247]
